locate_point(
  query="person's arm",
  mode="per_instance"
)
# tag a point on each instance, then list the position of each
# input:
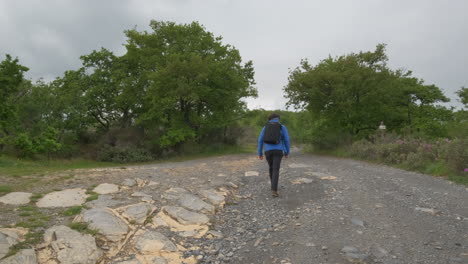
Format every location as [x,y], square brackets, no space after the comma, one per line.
[260,144]
[286,140]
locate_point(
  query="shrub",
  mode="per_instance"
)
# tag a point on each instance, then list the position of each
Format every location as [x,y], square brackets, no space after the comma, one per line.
[124,154]
[457,155]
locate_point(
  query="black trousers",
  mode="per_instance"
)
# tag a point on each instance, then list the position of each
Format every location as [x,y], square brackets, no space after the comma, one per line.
[273,158]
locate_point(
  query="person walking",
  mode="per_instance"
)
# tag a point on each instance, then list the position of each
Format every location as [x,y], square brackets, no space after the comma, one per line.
[275,138]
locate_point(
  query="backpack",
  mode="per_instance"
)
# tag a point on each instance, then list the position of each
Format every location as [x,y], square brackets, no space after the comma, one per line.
[272,133]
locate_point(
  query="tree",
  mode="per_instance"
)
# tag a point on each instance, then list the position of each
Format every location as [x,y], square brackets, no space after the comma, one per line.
[11,82]
[463,94]
[351,94]
[191,83]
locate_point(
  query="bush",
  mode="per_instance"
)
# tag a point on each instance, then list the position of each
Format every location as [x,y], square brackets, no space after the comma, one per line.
[457,155]
[124,154]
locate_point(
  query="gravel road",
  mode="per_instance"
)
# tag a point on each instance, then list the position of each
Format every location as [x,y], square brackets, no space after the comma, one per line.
[330,210]
[344,211]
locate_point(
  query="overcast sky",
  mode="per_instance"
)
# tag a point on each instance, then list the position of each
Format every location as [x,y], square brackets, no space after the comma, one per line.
[428,37]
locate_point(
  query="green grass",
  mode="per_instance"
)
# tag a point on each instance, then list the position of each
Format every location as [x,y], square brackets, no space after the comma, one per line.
[92,196]
[5,189]
[72,211]
[13,167]
[83,228]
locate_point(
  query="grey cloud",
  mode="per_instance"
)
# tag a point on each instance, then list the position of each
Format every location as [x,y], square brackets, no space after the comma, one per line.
[427,37]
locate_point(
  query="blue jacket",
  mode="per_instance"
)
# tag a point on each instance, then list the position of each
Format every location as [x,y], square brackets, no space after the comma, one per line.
[283,145]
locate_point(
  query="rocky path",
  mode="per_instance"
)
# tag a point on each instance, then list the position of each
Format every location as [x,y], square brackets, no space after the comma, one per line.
[219,210]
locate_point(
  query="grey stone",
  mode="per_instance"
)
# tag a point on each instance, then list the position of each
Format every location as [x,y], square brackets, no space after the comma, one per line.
[24,256]
[213,196]
[65,198]
[152,242]
[137,212]
[194,203]
[106,188]
[70,246]
[186,217]
[104,200]
[129,182]
[16,198]
[108,224]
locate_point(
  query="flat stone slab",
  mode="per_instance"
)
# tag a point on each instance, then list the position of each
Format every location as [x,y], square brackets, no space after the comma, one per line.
[251,173]
[213,196]
[16,198]
[104,200]
[194,203]
[152,242]
[106,188]
[106,222]
[65,198]
[185,216]
[69,246]
[24,256]
[137,212]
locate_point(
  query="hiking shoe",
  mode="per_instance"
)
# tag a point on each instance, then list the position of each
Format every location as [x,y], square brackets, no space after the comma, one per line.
[274,193]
